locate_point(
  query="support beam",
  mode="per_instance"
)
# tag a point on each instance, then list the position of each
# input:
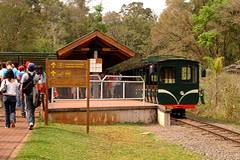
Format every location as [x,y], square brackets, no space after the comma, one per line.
[99,49]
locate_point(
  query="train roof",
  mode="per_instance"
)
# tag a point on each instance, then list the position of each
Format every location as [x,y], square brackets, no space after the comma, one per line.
[140,61]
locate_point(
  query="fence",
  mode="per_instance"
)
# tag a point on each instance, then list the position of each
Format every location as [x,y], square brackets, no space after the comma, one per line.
[109,87]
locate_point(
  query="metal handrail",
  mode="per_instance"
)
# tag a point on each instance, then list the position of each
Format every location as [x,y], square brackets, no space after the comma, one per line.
[124,82]
[120,76]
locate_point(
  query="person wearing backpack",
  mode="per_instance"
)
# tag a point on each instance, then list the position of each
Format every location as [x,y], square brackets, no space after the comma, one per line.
[20,100]
[9,87]
[28,82]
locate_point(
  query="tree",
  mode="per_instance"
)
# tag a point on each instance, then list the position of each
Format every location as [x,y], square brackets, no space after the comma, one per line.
[20,28]
[35,5]
[198,4]
[53,31]
[132,26]
[216,65]
[113,21]
[75,20]
[172,34]
[216,29]
[97,19]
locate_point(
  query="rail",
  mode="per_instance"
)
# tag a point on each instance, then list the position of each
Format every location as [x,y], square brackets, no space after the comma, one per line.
[213,129]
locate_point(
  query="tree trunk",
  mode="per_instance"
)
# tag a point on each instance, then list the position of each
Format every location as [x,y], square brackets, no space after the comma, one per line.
[216,92]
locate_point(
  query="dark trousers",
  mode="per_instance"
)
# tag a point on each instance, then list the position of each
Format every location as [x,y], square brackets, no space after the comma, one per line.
[9,103]
[30,109]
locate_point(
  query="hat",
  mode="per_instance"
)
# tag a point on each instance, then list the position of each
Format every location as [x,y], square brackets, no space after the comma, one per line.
[21,68]
[31,67]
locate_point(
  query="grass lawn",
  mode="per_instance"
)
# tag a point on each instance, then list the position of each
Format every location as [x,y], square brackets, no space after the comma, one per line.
[114,142]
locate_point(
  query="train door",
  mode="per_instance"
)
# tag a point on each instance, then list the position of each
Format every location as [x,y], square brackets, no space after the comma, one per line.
[188,84]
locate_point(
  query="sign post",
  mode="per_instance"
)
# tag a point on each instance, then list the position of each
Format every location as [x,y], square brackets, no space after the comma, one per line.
[88,94]
[68,73]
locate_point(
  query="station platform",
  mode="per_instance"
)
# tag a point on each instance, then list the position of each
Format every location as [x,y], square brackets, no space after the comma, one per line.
[102,111]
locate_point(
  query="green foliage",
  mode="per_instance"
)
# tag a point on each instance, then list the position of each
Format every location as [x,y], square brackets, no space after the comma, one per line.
[218,64]
[19,29]
[229,103]
[206,14]
[97,20]
[194,28]
[75,21]
[215,64]
[132,26]
[207,39]
[201,20]
[215,27]
[113,142]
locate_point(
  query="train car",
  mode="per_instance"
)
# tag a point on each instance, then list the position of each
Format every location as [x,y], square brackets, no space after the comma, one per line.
[170,81]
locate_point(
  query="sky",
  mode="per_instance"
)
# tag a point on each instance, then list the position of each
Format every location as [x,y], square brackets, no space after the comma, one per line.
[115,5]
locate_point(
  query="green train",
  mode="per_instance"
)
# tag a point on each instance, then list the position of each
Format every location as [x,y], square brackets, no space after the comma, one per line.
[170,81]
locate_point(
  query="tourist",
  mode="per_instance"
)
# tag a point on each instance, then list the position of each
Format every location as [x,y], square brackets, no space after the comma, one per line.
[10,65]
[9,88]
[20,99]
[3,71]
[41,86]
[28,82]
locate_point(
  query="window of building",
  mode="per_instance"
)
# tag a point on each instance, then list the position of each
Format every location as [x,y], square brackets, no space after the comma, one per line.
[168,75]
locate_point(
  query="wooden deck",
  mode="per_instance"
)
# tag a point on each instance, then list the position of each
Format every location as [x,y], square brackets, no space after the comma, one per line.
[103,111]
[80,105]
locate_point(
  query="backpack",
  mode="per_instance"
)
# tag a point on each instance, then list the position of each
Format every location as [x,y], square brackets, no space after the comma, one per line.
[36,98]
[28,85]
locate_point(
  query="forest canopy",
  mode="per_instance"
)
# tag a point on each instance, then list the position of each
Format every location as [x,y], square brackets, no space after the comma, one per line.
[193,28]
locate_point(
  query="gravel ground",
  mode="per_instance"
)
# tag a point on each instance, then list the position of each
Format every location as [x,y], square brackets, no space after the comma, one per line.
[208,145]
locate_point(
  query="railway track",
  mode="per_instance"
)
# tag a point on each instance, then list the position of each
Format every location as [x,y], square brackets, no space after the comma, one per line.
[224,133]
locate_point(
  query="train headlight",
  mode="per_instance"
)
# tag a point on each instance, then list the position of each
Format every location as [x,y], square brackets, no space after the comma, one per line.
[181,93]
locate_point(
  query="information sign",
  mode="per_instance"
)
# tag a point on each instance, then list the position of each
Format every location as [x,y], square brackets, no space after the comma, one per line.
[67,73]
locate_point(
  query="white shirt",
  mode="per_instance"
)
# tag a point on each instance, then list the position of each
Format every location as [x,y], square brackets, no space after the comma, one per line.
[25,77]
[12,87]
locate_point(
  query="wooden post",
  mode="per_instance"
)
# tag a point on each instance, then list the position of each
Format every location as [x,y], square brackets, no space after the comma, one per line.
[46,106]
[88,92]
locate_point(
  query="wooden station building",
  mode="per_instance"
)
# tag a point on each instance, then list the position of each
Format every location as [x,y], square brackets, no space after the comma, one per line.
[96,45]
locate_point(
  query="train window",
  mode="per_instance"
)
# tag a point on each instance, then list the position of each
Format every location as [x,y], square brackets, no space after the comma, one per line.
[189,74]
[186,73]
[168,75]
[153,74]
[195,74]
[154,77]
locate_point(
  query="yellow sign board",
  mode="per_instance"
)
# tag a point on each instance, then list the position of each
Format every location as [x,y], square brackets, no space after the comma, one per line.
[67,73]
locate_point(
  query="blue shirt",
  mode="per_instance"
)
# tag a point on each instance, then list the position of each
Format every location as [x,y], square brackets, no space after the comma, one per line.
[20,74]
[4,71]
[15,71]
